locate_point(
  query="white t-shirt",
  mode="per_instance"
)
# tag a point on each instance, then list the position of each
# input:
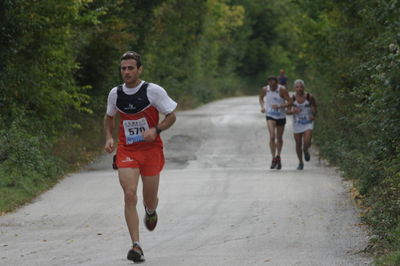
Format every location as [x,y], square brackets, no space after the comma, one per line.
[157,96]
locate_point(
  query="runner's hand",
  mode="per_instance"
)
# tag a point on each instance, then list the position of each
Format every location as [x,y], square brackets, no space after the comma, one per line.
[109,146]
[150,135]
[262,110]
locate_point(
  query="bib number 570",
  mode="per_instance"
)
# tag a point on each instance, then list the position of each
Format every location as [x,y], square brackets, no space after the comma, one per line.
[136,131]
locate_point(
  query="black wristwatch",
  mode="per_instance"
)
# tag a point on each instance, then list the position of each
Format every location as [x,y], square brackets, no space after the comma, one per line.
[158,130]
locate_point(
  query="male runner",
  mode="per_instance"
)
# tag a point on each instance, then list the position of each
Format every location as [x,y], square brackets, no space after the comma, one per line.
[304,110]
[282,78]
[140,148]
[274,98]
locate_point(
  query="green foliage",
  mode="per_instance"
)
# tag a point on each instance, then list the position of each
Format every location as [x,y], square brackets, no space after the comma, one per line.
[38,61]
[26,165]
[393,243]
[191,46]
[39,98]
[102,45]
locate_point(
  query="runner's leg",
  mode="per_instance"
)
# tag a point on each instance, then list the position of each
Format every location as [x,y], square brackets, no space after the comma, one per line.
[298,137]
[271,124]
[129,178]
[307,139]
[150,191]
[150,200]
[279,136]
[307,144]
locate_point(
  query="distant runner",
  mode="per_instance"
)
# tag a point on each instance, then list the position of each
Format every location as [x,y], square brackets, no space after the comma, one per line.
[140,148]
[274,98]
[282,78]
[304,110]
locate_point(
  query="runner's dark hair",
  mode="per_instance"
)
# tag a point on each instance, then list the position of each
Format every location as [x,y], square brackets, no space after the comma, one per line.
[132,55]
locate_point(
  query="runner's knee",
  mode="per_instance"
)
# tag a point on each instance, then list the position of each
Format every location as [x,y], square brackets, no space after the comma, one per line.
[130,197]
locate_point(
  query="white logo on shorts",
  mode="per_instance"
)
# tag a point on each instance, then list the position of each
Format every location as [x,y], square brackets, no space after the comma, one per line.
[128,159]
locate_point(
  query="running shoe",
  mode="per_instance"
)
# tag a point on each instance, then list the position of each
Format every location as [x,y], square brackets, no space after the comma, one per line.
[150,220]
[307,155]
[278,162]
[273,163]
[300,167]
[136,254]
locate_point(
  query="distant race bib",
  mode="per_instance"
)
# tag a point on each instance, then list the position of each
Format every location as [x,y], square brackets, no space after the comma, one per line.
[273,112]
[303,121]
[134,130]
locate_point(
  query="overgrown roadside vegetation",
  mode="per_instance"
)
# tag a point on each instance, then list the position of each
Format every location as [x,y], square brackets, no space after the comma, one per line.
[59,59]
[350,55]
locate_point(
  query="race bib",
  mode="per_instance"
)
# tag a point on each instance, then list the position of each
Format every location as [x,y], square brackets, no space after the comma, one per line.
[273,112]
[303,120]
[134,130]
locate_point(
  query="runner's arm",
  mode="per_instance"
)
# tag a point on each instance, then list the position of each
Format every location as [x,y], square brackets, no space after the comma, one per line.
[167,122]
[108,131]
[285,95]
[289,110]
[261,99]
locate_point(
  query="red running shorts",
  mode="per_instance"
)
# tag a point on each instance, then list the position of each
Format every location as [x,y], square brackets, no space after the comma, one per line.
[150,161]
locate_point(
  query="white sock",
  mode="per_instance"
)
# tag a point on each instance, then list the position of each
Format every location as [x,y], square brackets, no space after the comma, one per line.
[149,212]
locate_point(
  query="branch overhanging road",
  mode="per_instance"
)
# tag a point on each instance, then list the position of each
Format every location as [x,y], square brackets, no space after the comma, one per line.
[219,204]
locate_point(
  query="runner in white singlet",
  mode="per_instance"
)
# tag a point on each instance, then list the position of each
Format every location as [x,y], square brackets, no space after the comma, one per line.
[274,99]
[304,110]
[303,120]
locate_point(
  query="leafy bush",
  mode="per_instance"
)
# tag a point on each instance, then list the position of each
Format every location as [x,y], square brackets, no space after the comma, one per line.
[25,163]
